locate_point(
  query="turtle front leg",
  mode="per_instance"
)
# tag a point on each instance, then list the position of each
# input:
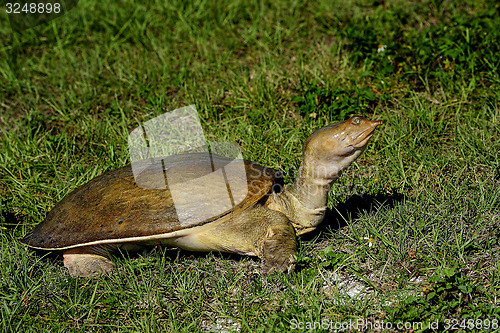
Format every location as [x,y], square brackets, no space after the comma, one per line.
[279,246]
[87,261]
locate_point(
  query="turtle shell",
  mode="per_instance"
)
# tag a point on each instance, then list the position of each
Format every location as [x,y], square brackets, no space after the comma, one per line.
[113,207]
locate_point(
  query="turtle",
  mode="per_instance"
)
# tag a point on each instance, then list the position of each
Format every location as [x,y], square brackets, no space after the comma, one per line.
[112,212]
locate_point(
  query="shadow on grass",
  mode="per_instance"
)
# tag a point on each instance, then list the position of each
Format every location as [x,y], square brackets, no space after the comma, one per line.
[10,221]
[351,209]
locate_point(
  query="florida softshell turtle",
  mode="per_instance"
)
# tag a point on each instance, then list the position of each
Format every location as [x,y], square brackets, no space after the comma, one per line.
[112,212]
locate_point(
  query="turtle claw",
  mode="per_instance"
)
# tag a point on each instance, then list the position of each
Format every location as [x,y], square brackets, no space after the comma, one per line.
[284,264]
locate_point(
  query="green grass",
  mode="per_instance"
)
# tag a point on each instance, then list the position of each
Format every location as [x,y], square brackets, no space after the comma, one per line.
[425,194]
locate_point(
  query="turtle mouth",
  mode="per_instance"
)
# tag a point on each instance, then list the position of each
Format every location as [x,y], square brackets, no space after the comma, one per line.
[362,138]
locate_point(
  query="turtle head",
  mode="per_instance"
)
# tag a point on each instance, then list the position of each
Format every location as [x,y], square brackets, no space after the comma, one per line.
[327,152]
[330,150]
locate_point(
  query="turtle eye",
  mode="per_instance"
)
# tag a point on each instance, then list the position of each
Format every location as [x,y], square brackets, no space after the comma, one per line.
[356,121]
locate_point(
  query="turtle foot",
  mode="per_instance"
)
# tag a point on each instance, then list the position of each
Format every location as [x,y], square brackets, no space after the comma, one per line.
[279,249]
[284,264]
[87,265]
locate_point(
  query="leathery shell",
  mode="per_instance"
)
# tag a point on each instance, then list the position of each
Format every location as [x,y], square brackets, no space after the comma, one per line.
[112,207]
